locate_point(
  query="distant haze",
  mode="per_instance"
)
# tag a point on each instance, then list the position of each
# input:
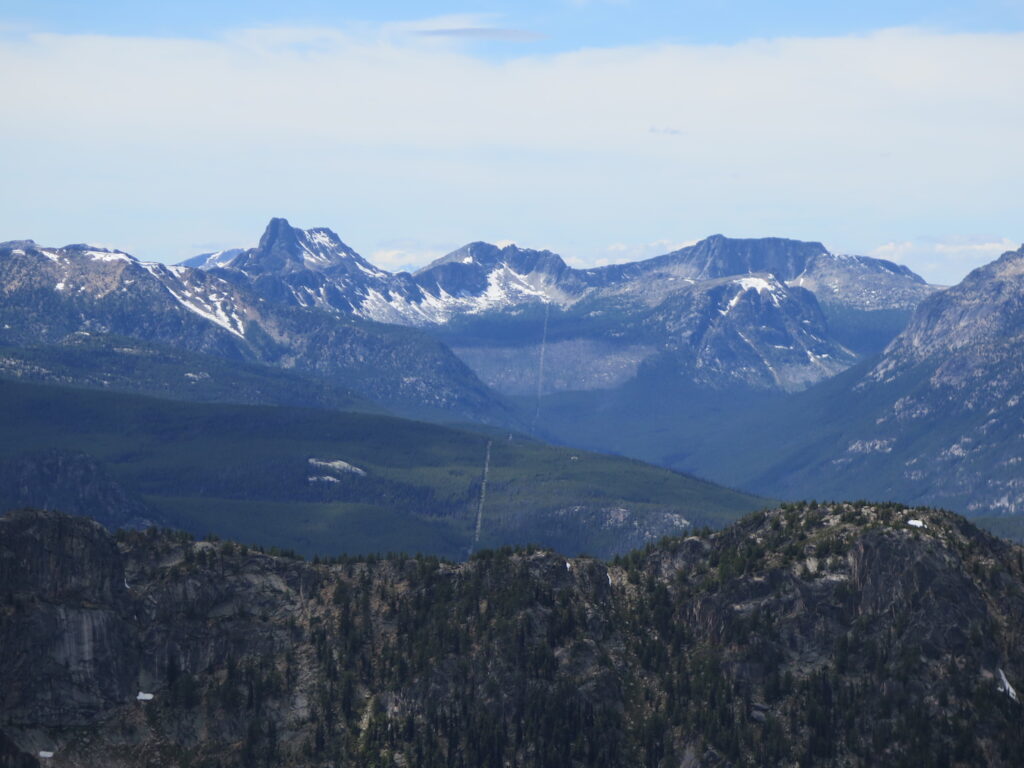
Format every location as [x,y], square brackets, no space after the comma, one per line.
[900,143]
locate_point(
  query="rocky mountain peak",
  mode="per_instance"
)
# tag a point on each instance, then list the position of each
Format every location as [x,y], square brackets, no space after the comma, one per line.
[1009,266]
[752,331]
[15,244]
[279,233]
[720,256]
[284,249]
[477,255]
[975,323]
[498,277]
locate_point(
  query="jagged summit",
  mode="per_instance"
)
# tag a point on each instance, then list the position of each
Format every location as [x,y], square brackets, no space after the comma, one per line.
[284,249]
[1009,265]
[484,254]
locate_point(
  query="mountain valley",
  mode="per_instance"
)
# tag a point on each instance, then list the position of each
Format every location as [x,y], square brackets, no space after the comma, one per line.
[329,482]
[769,365]
[934,419]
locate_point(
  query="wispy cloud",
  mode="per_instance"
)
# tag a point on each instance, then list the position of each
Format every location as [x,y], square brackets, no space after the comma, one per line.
[945,261]
[407,255]
[482,33]
[585,3]
[619,253]
[398,130]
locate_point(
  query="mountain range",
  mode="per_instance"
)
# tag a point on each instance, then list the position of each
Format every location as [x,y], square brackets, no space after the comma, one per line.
[263,396]
[54,296]
[937,417]
[770,365]
[766,314]
[723,311]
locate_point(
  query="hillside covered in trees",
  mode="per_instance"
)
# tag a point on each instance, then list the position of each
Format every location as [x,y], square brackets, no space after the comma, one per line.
[840,634]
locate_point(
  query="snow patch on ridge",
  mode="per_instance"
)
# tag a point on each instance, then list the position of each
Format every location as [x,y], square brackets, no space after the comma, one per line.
[215,307]
[337,465]
[759,284]
[506,288]
[1005,687]
[756,283]
[108,256]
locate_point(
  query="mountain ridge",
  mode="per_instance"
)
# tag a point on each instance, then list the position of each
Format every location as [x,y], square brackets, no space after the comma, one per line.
[480,285]
[763,644]
[49,295]
[934,419]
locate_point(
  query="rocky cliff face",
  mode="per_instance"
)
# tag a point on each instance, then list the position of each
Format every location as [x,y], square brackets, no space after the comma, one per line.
[966,331]
[839,635]
[952,383]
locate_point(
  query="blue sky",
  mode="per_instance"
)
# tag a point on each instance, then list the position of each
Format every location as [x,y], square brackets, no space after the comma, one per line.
[557,24]
[606,131]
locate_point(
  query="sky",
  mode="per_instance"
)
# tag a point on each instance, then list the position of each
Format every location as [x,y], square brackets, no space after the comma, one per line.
[603,130]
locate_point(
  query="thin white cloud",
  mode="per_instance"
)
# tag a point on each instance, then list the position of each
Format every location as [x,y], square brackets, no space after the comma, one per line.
[404,259]
[945,261]
[460,27]
[483,33]
[848,138]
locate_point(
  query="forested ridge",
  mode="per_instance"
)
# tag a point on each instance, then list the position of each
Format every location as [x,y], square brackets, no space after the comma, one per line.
[838,634]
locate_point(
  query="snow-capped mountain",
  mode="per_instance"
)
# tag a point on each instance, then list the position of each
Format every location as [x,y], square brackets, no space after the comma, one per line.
[497,305]
[719,314]
[283,250]
[210,260]
[859,282]
[482,278]
[51,294]
[749,331]
[936,420]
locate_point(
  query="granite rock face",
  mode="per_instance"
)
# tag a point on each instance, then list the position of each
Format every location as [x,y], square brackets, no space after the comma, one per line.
[69,647]
[833,635]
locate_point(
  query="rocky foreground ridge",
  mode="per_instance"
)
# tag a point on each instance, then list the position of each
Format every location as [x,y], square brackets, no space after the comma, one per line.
[840,634]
